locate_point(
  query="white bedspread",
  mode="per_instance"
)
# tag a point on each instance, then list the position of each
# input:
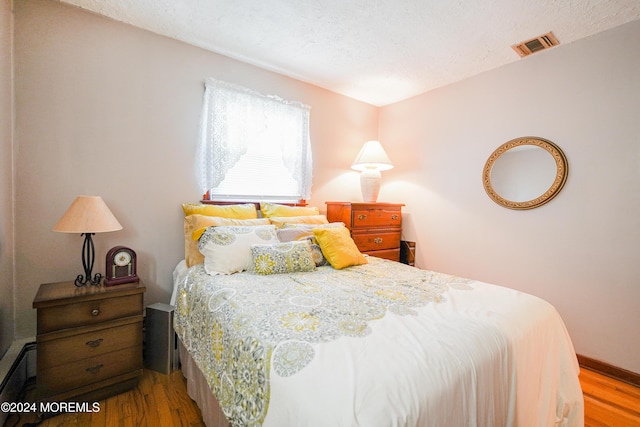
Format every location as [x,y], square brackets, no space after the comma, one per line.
[434,350]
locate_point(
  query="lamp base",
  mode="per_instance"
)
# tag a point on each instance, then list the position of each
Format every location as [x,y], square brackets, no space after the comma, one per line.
[370,184]
[88,257]
[86,280]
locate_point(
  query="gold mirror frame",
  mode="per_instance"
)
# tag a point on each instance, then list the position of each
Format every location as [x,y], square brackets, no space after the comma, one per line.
[562,170]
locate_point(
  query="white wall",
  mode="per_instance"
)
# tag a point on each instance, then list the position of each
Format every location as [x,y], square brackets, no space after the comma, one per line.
[106,109]
[580,251]
[6,179]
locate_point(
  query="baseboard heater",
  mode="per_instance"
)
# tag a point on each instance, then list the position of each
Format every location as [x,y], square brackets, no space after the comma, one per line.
[17,366]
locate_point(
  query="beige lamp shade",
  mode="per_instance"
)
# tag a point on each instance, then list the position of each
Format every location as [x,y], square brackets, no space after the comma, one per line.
[87,214]
[370,161]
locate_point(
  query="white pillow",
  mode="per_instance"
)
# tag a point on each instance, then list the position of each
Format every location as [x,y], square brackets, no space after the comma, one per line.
[227,249]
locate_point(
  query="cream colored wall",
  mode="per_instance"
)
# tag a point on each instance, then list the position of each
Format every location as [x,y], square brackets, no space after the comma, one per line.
[107,109]
[580,251]
[6,179]
[104,108]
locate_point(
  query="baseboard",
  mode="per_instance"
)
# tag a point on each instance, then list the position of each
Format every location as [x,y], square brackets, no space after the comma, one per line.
[16,367]
[609,370]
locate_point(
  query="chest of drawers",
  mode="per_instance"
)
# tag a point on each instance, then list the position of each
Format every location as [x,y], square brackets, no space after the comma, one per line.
[376,228]
[89,342]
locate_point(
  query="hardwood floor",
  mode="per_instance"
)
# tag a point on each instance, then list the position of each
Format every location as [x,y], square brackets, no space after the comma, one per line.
[158,401]
[608,402]
[162,401]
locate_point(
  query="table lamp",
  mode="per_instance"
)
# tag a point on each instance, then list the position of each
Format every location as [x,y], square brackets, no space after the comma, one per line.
[370,161]
[87,215]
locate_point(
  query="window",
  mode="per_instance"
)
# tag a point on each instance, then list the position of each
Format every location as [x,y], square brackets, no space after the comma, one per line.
[252,146]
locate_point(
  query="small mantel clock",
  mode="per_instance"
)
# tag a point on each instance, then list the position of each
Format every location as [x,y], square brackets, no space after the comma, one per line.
[121,266]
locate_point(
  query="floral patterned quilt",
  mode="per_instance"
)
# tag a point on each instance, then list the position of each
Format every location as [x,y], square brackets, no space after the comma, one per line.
[250,333]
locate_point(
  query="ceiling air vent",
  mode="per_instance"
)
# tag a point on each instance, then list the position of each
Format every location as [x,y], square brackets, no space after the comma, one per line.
[528,47]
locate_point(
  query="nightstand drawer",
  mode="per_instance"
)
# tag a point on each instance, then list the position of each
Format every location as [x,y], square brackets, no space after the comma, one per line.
[367,218]
[377,241]
[83,372]
[69,349]
[88,313]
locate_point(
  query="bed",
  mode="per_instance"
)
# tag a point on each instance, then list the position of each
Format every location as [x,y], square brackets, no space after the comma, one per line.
[376,343]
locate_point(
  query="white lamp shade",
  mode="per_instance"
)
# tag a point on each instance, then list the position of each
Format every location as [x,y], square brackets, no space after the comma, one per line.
[87,214]
[372,156]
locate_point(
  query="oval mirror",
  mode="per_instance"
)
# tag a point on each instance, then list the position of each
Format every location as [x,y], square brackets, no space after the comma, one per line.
[525,173]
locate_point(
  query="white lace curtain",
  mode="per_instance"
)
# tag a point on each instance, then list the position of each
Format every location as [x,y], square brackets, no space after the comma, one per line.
[245,135]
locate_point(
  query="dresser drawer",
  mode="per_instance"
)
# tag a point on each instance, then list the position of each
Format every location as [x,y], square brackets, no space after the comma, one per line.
[367,218]
[87,371]
[60,351]
[74,315]
[391,254]
[375,241]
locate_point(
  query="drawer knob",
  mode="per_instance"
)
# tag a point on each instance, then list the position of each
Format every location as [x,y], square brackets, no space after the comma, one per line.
[94,343]
[394,217]
[362,217]
[377,240]
[95,312]
[95,369]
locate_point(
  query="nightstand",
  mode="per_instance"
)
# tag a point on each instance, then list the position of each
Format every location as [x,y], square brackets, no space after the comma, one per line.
[375,227]
[89,342]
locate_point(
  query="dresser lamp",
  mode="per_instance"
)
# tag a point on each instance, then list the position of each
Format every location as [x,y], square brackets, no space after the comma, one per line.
[370,161]
[88,215]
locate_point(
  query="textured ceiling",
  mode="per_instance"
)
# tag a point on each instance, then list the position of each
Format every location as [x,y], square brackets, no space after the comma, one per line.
[377,51]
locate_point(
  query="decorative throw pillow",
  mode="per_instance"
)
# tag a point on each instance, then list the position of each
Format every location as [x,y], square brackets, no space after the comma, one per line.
[217,221]
[302,234]
[239,211]
[309,227]
[194,226]
[282,221]
[289,257]
[291,234]
[273,209]
[338,247]
[316,253]
[227,249]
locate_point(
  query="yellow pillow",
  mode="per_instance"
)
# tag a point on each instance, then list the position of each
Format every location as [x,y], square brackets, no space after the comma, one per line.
[338,247]
[241,211]
[273,209]
[195,225]
[280,221]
